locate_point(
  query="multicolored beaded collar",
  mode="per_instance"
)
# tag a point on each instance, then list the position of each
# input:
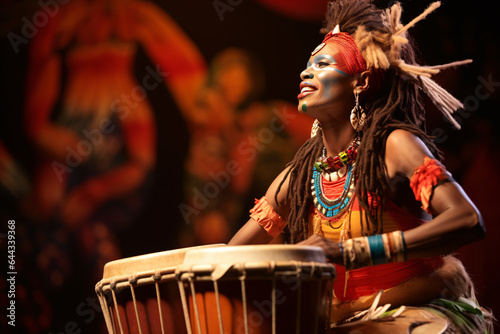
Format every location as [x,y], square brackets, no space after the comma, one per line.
[332,208]
[331,164]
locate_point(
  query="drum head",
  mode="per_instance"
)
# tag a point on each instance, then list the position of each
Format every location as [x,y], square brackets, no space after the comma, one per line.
[147,262]
[254,253]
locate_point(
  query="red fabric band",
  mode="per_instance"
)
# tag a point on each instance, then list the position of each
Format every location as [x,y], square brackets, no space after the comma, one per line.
[425,178]
[269,219]
[349,51]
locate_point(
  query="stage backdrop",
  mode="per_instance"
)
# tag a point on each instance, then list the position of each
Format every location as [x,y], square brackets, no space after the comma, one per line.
[131,127]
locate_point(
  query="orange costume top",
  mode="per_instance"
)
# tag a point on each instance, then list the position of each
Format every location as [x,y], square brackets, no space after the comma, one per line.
[369,280]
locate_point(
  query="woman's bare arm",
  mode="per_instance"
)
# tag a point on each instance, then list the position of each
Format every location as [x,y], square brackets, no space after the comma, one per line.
[456,220]
[252,232]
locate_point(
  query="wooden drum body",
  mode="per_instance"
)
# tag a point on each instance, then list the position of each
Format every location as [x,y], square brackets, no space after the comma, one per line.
[140,294]
[256,289]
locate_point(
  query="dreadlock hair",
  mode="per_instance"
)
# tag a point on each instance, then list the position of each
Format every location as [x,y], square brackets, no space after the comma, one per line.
[397,104]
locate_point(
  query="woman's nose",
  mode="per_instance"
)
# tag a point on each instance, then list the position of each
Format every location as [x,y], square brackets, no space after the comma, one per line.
[306,74]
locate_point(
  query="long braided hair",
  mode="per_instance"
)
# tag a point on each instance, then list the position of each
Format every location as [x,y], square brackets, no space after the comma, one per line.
[396,104]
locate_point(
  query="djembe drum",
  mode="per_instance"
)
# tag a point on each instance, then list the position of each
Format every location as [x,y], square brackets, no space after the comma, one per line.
[256,289]
[140,294]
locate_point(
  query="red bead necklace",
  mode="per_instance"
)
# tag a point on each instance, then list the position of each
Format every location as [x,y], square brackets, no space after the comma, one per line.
[331,164]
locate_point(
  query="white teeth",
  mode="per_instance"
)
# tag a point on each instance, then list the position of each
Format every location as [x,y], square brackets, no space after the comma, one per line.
[307,89]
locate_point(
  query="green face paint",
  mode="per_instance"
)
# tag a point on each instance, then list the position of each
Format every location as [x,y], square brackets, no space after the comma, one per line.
[304,107]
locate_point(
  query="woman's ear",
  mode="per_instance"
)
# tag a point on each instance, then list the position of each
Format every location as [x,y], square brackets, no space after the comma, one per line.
[362,82]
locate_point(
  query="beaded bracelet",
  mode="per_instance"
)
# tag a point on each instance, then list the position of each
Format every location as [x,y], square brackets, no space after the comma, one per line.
[375,249]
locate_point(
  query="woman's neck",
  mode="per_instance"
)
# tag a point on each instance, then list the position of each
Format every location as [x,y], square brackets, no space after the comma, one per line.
[337,136]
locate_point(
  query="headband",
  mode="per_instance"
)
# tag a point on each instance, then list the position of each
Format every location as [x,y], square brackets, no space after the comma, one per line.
[351,55]
[349,51]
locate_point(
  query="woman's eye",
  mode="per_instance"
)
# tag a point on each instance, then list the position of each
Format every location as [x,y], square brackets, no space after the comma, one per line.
[323,64]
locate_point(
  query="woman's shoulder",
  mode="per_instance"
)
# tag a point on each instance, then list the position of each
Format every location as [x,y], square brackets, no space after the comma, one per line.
[400,137]
[404,151]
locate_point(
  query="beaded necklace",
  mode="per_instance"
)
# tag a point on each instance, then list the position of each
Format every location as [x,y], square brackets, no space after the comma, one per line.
[331,164]
[332,209]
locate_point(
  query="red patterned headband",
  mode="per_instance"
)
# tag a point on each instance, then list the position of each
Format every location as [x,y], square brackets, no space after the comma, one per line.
[352,57]
[349,51]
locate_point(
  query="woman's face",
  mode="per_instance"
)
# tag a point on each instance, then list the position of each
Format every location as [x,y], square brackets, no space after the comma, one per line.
[325,83]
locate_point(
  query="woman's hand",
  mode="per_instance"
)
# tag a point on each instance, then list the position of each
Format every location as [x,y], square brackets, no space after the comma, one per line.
[332,249]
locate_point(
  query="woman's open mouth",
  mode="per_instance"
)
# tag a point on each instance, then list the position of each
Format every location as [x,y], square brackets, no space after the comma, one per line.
[306,88]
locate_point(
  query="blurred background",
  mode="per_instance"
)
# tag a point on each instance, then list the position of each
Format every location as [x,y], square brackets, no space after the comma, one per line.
[132,127]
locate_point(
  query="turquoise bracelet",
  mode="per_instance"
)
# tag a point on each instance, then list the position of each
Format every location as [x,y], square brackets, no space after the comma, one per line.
[377,249]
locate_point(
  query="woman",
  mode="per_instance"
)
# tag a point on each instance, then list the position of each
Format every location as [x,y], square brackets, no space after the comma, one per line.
[384,209]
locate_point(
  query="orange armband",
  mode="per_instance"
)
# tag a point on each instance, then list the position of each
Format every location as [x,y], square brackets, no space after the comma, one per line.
[426,177]
[269,219]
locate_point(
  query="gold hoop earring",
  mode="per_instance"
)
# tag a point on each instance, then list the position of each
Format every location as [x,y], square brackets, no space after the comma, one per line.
[358,115]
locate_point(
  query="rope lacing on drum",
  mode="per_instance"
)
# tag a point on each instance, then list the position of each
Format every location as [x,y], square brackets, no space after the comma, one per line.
[271,267]
[193,294]
[157,278]
[217,300]
[184,302]
[133,281]
[99,288]
[298,270]
[318,295]
[273,302]
[313,269]
[112,286]
[242,279]
[104,306]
